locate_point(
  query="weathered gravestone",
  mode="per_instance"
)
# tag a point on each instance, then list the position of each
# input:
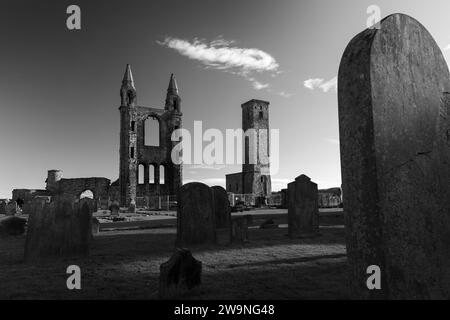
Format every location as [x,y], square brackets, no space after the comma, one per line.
[11,209]
[394,137]
[2,208]
[132,206]
[30,207]
[284,199]
[222,212]
[12,226]
[179,275]
[60,228]
[195,214]
[239,228]
[115,208]
[303,208]
[27,208]
[95,226]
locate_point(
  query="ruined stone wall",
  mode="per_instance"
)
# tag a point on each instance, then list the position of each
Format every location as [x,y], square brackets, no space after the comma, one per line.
[28,195]
[74,187]
[134,152]
[234,183]
[157,155]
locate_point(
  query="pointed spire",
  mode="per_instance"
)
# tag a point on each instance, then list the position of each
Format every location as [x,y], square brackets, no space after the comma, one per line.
[173,88]
[127,90]
[128,76]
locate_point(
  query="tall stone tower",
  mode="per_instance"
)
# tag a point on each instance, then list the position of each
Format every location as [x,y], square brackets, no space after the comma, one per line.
[256,166]
[147,170]
[127,174]
[255,176]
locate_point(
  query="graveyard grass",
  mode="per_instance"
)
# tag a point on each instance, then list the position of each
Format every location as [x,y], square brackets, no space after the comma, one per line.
[125,265]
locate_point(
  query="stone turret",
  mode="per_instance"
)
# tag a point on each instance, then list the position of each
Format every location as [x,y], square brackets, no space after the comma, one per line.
[173,100]
[53,177]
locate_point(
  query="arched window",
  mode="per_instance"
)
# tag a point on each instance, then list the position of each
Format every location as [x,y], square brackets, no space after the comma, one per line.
[161,174]
[151,174]
[87,194]
[141,174]
[151,132]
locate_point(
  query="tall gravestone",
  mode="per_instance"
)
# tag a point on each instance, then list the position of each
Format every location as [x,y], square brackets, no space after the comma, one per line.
[303,207]
[60,228]
[394,137]
[11,208]
[284,198]
[222,215]
[115,208]
[3,208]
[195,214]
[239,228]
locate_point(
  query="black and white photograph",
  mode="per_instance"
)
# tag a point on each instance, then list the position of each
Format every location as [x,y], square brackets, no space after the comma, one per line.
[224,156]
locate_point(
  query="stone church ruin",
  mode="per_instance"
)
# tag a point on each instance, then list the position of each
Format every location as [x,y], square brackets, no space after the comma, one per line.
[146,169]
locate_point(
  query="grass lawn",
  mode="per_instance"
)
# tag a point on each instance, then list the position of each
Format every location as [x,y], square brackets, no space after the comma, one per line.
[125,265]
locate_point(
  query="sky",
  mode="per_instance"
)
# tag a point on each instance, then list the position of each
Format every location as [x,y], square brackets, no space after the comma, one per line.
[59,88]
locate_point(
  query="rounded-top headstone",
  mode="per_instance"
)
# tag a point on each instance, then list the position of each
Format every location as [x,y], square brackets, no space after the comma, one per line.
[221,207]
[395,159]
[195,214]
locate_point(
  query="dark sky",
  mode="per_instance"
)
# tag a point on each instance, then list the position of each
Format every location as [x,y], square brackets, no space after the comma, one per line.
[59,89]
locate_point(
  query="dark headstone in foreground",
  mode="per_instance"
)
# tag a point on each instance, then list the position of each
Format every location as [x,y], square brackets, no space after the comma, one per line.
[59,229]
[223,236]
[303,208]
[179,275]
[11,209]
[195,214]
[284,198]
[394,122]
[222,212]
[222,209]
[12,226]
[239,228]
[2,208]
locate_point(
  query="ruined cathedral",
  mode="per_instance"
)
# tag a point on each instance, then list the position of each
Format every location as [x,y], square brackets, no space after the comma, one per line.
[146,169]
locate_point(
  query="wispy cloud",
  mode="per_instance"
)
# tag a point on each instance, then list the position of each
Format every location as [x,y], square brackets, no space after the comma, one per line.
[447,48]
[321,84]
[285,94]
[259,86]
[220,54]
[256,84]
[224,55]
